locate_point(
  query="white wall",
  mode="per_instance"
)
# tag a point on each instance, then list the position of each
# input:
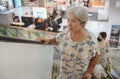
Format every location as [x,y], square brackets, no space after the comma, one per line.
[25,61]
[6,19]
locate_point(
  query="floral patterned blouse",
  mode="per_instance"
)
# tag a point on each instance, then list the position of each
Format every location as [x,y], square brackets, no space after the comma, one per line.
[75,56]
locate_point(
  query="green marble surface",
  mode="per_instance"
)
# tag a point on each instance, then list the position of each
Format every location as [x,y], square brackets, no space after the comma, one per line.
[2,31]
[24,33]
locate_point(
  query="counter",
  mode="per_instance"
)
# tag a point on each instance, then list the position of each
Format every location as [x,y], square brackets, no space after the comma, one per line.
[22,57]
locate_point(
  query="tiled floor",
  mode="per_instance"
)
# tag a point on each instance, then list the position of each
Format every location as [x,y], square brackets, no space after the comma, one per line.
[115,62]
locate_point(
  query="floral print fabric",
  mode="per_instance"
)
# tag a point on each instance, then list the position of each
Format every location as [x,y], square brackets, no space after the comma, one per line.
[75,56]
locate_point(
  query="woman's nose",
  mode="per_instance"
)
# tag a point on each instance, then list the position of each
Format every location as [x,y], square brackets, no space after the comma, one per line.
[69,24]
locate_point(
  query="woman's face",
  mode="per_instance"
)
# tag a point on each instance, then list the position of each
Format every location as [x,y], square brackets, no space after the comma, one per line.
[74,24]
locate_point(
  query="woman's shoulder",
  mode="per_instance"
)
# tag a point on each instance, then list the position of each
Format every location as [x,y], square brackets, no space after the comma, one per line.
[91,36]
[62,33]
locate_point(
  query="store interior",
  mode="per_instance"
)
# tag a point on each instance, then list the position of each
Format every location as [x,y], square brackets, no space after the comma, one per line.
[28,19]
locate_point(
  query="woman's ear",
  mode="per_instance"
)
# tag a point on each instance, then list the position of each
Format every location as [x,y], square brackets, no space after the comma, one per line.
[83,24]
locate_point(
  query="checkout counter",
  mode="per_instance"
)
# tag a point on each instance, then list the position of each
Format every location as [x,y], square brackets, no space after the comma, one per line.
[20,24]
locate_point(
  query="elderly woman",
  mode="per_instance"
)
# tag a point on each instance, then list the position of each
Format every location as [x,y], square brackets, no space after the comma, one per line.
[77,46]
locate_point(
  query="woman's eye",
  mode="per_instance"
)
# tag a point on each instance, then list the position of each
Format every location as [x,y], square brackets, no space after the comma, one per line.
[73,21]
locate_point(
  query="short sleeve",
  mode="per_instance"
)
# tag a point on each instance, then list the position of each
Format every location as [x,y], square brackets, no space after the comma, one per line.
[94,50]
[94,46]
[59,37]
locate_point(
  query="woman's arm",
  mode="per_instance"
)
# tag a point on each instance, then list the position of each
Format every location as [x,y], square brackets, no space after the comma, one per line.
[47,41]
[52,41]
[93,62]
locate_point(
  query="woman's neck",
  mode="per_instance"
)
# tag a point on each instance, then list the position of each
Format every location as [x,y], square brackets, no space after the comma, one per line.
[78,33]
[79,36]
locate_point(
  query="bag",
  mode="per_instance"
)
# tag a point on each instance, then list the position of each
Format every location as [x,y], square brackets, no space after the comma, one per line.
[99,72]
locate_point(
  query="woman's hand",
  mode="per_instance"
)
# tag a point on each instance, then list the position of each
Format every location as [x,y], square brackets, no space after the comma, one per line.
[87,76]
[43,40]
[47,41]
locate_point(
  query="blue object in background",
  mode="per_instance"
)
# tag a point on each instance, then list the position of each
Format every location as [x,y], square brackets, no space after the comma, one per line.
[17,3]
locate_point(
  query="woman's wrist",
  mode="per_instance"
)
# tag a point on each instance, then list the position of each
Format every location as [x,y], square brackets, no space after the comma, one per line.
[52,41]
[49,41]
[87,75]
[89,70]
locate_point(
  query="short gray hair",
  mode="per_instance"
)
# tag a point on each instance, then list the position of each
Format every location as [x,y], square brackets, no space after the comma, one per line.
[80,12]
